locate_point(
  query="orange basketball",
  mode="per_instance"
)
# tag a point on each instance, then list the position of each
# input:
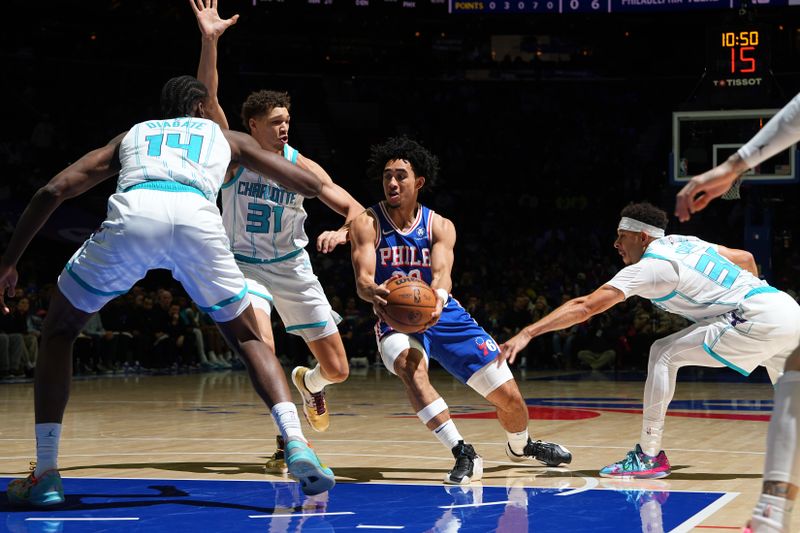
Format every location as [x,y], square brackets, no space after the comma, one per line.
[410,304]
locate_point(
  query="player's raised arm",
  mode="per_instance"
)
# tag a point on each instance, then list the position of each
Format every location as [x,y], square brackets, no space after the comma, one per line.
[79,177]
[572,312]
[337,199]
[363,234]
[779,133]
[212,26]
[245,150]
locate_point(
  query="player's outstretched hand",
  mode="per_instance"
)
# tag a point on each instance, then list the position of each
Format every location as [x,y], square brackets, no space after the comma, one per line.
[328,240]
[514,345]
[208,19]
[701,189]
[8,284]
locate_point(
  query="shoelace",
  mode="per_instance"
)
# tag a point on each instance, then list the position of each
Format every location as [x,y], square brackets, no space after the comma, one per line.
[631,460]
[318,401]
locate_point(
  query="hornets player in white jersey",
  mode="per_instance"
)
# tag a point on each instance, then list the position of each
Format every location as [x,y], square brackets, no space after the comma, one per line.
[163,215]
[773,512]
[399,236]
[265,225]
[739,321]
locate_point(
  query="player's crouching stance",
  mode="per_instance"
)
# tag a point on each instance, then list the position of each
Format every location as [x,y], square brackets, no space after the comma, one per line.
[383,240]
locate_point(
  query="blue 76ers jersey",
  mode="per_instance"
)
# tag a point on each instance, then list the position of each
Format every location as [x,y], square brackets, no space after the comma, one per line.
[456,341]
[402,252]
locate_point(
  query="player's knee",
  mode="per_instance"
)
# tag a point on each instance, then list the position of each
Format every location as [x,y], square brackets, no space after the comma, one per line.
[410,372]
[507,397]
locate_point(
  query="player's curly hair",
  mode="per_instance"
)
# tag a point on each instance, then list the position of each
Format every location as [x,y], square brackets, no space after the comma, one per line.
[180,95]
[422,161]
[260,102]
[647,213]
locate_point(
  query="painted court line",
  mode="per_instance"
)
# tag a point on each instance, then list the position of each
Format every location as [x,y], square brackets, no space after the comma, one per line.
[705,513]
[292,515]
[73,519]
[591,483]
[368,526]
[474,505]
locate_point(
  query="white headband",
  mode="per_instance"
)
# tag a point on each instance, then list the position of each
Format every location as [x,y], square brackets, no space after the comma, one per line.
[631,224]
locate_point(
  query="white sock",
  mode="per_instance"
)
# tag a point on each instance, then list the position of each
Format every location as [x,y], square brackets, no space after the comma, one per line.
[771,514]
[315,382]
[517,441]
[285,416]
[650,440]
[47,439]
[448,434]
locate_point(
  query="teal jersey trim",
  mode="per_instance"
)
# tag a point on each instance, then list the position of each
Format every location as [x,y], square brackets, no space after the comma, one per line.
[664,298]
[307,326]
[260,295]
[223,303]
[88,287]
[650,255]
[257,261]
[165,186]
[760,290]
[236,176]
[724,361]
[290,154]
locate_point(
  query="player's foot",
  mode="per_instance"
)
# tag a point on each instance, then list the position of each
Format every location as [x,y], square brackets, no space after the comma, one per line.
[42,491]
[305,467]
[767,518]
[315,408]
[468,467]
[547,453]
[276,464]
[638,465]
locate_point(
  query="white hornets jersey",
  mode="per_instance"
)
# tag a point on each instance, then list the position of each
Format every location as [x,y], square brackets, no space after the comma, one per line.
[263,220]
[708,284]
[185,151]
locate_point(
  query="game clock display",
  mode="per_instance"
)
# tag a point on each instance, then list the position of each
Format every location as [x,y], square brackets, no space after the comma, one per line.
[738,56]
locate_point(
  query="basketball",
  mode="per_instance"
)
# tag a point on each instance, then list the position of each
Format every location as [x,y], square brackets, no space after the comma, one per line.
[411,302]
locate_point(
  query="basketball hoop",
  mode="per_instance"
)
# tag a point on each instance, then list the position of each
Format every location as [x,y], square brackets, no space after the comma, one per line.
[733,192]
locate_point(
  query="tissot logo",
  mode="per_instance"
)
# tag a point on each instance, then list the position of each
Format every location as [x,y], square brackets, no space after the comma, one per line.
[737,82]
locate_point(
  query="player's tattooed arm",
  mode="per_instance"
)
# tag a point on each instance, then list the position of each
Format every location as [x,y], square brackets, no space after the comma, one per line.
[91,169]
[212,26]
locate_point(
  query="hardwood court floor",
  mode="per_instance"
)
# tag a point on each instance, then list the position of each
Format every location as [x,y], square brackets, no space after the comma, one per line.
[212,426]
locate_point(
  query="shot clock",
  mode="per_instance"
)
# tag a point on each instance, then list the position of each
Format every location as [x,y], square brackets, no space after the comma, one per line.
[738,57]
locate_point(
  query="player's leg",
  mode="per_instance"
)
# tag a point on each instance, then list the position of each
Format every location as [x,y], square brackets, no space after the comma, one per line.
[512,413]
[405,357]
[332,368]
[686,347]
[306,312]
[782,464]
[51,393]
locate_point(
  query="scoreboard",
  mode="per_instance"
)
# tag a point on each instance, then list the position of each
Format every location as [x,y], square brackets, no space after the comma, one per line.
[538,6]
[600,6]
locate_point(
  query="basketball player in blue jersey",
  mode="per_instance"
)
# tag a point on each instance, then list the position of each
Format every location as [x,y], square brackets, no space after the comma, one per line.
[163,215]
[265,226]
[739,320]
[400,237]
[773,512]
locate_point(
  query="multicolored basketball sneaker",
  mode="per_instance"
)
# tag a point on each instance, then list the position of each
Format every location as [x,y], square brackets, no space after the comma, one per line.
[42,491]
[638,465]
[276,464]
[305,467]
[315,407]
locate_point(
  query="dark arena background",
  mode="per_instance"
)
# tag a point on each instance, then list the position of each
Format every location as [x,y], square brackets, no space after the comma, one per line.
[548,117]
